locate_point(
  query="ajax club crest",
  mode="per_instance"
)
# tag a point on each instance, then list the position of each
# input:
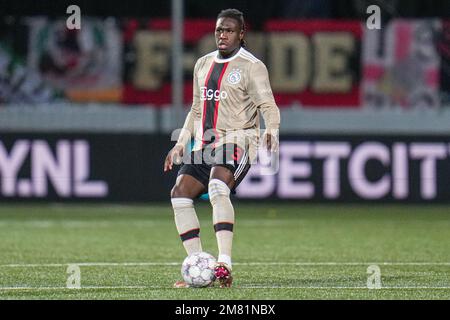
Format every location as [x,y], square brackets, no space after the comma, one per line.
[234,76]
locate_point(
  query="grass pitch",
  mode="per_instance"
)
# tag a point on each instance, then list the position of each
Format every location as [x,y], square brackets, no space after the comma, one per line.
[281,251]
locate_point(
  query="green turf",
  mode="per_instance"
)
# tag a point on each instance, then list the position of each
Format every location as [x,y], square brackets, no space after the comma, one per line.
[312,252]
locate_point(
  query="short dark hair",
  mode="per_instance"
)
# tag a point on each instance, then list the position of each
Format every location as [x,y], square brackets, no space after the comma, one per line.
[234,14]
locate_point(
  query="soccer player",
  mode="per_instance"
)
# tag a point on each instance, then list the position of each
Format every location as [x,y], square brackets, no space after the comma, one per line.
[231,87]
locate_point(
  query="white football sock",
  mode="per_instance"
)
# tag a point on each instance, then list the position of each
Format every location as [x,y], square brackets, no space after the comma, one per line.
[187,224]
[225,259]
[223,217]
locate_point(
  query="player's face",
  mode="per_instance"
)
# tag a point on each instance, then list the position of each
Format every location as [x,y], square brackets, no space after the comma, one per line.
[228,35]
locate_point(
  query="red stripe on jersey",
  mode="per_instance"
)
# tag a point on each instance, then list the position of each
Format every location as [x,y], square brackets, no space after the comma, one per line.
[205,100]
[216,109]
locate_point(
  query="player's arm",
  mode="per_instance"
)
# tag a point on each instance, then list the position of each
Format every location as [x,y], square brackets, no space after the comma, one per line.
[193,117]
[261,94]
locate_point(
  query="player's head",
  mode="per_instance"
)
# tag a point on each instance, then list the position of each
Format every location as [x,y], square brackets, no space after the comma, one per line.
[230,28]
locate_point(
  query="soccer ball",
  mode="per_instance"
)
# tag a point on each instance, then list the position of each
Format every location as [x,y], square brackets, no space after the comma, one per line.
[198,269]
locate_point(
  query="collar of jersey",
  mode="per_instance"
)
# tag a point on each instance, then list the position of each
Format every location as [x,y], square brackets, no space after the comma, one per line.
[218,60]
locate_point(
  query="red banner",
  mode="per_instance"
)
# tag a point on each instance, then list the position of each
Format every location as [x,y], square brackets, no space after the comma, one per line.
[312,63]
[401,65]
[321,61]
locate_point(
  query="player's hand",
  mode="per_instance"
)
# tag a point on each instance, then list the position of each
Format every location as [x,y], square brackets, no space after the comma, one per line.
[270,141]
[174,156]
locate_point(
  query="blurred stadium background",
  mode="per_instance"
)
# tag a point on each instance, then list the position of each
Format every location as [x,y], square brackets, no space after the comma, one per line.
[87,115]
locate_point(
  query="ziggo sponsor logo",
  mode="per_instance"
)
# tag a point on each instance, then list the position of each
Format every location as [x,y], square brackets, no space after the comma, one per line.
[210,94]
